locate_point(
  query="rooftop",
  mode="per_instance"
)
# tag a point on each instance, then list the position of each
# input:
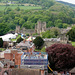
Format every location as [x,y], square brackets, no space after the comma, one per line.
[26,43]
[10,50]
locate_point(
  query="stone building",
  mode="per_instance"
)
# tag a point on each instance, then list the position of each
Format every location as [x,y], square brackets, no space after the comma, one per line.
[40,27]
[17,29]
[24,31]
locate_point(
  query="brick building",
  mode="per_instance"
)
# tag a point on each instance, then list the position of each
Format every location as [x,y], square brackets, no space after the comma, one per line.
[13,55]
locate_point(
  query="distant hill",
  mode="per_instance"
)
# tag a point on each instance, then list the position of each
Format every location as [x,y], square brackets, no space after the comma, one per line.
[66,3]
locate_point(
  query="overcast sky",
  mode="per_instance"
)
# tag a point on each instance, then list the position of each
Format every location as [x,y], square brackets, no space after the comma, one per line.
[70,1]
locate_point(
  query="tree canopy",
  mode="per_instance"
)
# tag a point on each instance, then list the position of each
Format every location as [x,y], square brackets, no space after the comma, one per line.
[71,34]
[61,56]
[3,29]
[38,41]
[52,33]
[19,40]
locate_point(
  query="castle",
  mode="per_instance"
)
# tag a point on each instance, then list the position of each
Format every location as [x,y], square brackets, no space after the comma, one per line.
[40,27]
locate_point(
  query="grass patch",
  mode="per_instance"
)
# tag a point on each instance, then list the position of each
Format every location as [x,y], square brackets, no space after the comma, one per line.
[2,49]
[16,38]
[73,44]
[38,50]
[2,7]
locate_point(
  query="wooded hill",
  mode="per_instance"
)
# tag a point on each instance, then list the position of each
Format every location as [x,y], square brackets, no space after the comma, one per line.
[56,15]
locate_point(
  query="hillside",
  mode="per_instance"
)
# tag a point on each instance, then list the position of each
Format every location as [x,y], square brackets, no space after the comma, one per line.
[57,15]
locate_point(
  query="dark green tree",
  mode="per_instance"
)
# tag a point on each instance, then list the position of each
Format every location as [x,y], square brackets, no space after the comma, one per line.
[38,42]
[71,34]
[3,29]
[1,42]
[19,40]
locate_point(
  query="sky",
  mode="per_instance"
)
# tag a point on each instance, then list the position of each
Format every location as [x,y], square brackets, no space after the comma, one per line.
[70,1]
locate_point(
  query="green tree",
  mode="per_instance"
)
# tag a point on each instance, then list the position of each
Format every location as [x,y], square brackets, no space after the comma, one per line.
[3,29]
[38,42]
[58,23]
[65,25]
[71,34]
[18,9]
[55,31]
[19,40]
[21,21]
[1,42]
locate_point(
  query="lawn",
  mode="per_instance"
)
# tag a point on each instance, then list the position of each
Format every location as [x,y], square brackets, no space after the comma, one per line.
[2,49]
[2,7]
[16,38]
[73,44]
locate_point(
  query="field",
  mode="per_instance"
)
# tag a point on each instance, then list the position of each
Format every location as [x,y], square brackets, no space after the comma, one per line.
[2,7]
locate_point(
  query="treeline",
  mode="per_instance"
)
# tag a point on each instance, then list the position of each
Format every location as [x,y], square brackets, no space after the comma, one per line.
[43,3]
[57,15]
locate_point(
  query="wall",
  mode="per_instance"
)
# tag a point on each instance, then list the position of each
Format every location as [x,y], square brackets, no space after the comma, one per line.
[26,72]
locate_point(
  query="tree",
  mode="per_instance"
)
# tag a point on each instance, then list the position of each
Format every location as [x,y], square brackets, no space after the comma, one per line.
[61,56]
[1,42]
[71,34]
[55,31]
[58,23]
[3,29]
[38,42]
[19,40]
[18,9]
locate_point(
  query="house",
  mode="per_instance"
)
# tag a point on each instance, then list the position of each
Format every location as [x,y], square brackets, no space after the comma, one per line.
[13,55]
[35,60]
[72,71]
[26,46]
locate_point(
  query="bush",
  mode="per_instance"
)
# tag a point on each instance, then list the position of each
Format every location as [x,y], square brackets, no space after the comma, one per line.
[61,56]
